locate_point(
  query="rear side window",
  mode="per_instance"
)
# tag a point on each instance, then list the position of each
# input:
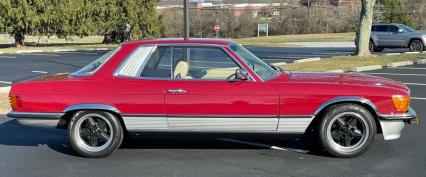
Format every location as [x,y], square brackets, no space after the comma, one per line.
[132,64]
[381,28]
[95,65]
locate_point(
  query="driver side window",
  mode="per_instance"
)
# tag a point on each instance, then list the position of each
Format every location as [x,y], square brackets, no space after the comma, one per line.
[205,63]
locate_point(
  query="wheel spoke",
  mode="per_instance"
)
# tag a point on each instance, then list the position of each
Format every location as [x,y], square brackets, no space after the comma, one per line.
[357,133]
[352,122]
[85,132]
[91,121]
[336,135]
[93,141]
[103,136]
[102,126]
[340,122]
[347,141]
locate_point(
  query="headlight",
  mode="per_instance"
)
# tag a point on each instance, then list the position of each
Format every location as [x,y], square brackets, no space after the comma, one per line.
[401,102]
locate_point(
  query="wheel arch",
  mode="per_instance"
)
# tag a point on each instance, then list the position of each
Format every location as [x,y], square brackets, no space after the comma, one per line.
[71,110]
[414,38]
[350,99]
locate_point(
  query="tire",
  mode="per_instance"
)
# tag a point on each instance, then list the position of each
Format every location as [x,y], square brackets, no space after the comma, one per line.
[379,49]
[347,130]
[416,46]
[371,46]
[95,133]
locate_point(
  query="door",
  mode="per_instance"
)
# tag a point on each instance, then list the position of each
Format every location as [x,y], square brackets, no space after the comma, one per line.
[204,95]
[140,82]
[397,38]
[382,35]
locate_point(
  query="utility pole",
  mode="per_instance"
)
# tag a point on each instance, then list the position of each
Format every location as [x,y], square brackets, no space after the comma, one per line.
[186,19]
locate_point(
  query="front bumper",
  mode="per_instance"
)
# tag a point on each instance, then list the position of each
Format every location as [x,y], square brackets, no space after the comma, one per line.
[45,120]
[393,124]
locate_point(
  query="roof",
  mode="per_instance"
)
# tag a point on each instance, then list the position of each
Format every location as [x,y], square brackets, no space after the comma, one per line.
[182,41]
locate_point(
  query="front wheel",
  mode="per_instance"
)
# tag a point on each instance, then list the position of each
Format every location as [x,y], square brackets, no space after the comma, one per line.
[347,130]
[95,133]
[416,46]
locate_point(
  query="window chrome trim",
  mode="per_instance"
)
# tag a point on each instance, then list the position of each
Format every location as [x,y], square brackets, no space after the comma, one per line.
[115,74]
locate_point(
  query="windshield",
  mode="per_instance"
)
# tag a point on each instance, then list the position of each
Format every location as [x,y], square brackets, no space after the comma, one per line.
[95,65]
[263,70]
[406,28]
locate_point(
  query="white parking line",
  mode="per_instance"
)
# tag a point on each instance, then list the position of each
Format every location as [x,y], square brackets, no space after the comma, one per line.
[397,74]
[7,57]
[417,98]
[418,84]
[406,68]
[265,146]
[88,53]
[5,82]
[43,72]
[42,54]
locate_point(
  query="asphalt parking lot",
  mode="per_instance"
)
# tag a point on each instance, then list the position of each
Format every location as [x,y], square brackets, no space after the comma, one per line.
[26,151]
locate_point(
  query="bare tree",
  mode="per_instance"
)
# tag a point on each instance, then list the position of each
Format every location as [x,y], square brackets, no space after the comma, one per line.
[364,30]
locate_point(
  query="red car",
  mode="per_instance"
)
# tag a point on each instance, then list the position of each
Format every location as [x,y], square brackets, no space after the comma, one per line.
[209,86]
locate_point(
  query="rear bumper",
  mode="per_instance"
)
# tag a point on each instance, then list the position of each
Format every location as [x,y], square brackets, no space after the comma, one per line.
[393,124]
[46,120]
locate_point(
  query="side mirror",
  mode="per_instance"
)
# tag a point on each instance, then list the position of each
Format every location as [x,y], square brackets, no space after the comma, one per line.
[400,30]
[241,74]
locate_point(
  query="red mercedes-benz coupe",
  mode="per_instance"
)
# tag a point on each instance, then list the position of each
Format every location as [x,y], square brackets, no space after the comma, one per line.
[209,86]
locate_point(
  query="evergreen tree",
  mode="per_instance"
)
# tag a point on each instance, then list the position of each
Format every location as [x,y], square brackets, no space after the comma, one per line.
[393,11]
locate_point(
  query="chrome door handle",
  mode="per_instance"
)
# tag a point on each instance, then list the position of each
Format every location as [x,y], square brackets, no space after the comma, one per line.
[176,91]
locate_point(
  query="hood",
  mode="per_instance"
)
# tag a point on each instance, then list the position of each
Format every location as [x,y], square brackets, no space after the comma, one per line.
[341,79]
[419,33]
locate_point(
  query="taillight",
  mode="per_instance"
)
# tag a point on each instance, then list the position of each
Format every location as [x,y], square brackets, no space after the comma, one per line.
[401,103]
[15,101]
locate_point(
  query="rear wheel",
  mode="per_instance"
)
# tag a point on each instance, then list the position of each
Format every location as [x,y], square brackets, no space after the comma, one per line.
[374,48]
[95,133]
[347,130]
[416,46]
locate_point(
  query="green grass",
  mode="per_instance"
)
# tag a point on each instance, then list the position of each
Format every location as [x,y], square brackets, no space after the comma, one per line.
[346,63]
[283,40]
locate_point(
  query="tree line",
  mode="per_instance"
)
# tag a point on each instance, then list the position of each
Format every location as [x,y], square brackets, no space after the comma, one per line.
[64,18]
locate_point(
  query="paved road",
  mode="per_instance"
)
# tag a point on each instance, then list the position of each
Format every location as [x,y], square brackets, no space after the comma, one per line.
[28,151]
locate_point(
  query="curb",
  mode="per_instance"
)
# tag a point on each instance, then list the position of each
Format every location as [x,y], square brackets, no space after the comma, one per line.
[336,71]
[279,63]
[391,54]
[4,89]
[307,60]
[28,51]
[64,50]
[411,53]
[56,50]
[421,61]
[367,68]
[400,63]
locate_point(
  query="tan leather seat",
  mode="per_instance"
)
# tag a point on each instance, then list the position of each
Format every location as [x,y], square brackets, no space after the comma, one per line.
[181,70]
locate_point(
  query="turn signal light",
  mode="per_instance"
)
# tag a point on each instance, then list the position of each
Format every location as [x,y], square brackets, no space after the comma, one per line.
[401,103]
[15,101]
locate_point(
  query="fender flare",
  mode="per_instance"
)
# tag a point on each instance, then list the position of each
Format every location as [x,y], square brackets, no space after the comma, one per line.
[91,107]
[343,99]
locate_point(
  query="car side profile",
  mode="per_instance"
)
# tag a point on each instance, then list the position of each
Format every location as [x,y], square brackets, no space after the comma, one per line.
[396,36]
[209,86]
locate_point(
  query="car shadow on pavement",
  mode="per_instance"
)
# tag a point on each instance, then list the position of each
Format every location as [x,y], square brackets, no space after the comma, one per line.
[14,134]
